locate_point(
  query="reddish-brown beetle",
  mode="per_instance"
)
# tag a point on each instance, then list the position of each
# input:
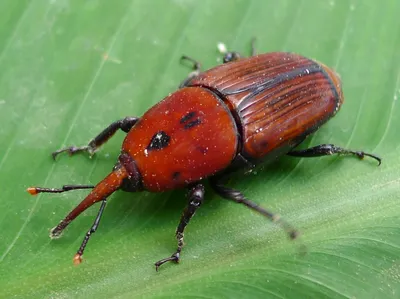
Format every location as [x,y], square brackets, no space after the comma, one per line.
[229,117]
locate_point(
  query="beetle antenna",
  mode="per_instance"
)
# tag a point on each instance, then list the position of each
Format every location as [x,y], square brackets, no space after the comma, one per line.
[65,188]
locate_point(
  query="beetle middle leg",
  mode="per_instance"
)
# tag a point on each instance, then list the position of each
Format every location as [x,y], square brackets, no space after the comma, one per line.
[253,47]
[124,124]
[330,149]
[78,256]
[196,197]
[238,197]
[196,70]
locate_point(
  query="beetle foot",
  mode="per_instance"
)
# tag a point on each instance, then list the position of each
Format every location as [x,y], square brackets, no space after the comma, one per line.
[362,155]
[72,150]
[77,259]
[173,258]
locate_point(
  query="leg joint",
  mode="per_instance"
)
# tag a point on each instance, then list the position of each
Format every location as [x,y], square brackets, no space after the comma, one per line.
[127,123]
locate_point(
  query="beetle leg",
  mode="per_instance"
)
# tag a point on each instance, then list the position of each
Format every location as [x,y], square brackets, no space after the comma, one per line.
[65,188]
[231,56]
[253,47]
[196,197]
[79,253]
[238,197]
[330,149]
[196,64]
[124,124]
[228,55]
[196,70]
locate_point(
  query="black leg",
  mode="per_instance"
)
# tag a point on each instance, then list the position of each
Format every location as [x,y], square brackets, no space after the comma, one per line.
[253,47]
[238,197]
[196,70]
[79,253]
[330,149]
[196,197]
[124,124]
[231,56]
[65,188]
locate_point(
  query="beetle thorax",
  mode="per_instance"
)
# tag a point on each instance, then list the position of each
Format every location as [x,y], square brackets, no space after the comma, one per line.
[188,136]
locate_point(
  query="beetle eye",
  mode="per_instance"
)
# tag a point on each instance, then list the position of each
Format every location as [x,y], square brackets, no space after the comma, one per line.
[159,141]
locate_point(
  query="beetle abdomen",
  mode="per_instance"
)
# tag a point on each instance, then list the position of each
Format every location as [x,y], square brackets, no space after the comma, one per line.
[277,99]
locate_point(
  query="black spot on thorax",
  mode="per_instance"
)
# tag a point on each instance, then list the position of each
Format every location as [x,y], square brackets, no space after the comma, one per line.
[190,120]
[187,117]
[176,175]
[192,124]
[159,141]
[202,149]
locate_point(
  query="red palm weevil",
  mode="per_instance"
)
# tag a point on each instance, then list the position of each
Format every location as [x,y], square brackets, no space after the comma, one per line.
[231,117]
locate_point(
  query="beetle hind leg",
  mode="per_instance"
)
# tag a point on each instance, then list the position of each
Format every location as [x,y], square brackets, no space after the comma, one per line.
[123,124]
[196,197]
[330,149]
[238,197]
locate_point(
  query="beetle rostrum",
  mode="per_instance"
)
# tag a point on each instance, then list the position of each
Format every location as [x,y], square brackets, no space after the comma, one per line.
[230,117]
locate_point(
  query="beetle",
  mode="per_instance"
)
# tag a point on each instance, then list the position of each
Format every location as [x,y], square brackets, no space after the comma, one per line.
[233,116]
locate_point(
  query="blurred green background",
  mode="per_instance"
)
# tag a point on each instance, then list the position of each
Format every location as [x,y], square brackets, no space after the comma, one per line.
[69,68]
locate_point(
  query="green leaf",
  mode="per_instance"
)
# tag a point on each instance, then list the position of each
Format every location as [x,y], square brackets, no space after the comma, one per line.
[69,68]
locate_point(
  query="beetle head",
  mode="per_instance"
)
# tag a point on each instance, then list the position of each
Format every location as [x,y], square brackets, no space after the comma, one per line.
[133,181]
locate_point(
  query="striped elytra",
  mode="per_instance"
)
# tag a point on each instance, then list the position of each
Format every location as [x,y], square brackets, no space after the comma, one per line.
[277,99]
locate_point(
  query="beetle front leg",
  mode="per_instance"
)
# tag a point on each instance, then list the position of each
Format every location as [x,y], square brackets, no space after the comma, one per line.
[330,149]
[238,197]
[78,256]
[124,124]
[196,197]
